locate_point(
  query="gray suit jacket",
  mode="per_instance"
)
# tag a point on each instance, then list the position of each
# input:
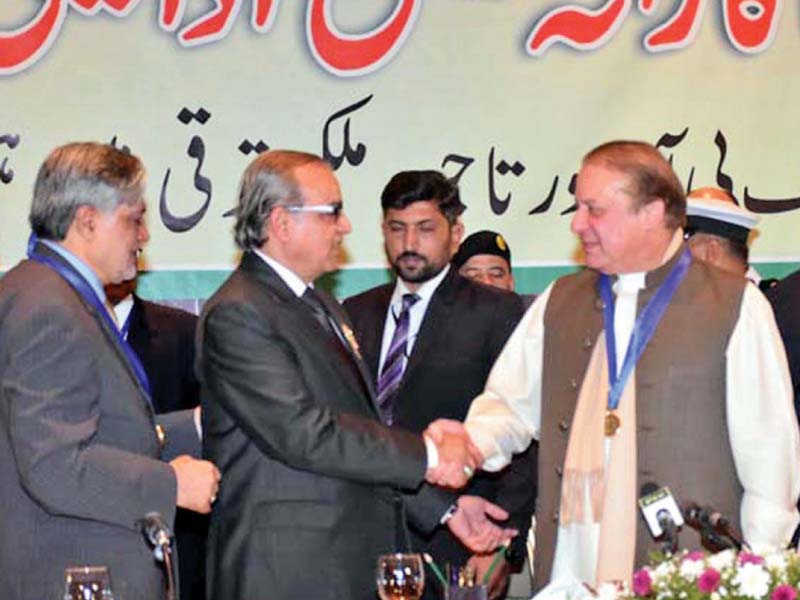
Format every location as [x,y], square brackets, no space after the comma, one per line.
[79,457]
[307,498]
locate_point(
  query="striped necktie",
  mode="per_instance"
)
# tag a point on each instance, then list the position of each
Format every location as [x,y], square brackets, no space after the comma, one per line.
[395,363]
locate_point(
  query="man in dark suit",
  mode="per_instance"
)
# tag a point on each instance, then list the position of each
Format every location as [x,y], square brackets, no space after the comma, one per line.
[785,300]
[163,339]
[309,500]
[455,330]
[80,456]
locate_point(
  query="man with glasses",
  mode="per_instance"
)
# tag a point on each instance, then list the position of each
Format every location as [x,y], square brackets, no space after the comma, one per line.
[311,475]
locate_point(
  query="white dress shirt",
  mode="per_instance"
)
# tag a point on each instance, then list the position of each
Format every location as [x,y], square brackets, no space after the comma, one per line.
[415,314]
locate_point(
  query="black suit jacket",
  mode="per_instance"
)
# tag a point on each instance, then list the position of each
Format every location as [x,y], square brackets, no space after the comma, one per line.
[464,329]
[306,502]
[163,339]
[785,300]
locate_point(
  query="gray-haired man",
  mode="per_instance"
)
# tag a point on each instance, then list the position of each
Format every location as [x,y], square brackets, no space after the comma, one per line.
[80,453]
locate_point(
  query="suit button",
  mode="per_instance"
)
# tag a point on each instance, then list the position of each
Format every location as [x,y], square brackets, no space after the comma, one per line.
[599,304]
[559,472]
[555,517]
[563,425]
[573,383]
[587,343]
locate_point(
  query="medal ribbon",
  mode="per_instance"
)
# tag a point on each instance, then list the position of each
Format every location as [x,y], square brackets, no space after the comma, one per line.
[82,287]
[643,328]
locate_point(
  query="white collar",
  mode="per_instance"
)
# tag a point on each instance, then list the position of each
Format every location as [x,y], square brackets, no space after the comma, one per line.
[289,277]
[425,290]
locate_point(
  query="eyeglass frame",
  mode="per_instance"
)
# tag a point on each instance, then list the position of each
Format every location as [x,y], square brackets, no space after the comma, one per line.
[334,209]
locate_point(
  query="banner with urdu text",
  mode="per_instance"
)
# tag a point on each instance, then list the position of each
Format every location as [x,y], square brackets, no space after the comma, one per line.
[506,95]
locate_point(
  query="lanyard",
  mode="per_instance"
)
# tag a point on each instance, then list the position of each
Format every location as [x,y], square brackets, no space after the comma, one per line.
[82,287]
[643,329]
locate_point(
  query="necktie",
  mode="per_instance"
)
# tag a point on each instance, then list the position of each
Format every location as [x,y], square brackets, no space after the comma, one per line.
[321,314]
[394,365]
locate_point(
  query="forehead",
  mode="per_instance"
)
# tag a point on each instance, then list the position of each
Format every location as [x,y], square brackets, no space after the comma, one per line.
[317,183]
[598,183]
[486,262]
[422,210]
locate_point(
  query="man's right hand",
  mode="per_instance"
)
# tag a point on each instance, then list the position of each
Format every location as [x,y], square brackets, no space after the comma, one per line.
[198,483]
[458,459]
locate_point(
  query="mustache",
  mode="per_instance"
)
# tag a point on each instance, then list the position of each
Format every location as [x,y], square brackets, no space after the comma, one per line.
[410,255]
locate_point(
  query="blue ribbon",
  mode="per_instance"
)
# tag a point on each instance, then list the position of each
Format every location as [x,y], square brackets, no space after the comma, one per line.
[82,287]
[643,329]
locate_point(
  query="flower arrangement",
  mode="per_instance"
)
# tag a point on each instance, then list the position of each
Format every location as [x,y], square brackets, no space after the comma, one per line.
[769,575]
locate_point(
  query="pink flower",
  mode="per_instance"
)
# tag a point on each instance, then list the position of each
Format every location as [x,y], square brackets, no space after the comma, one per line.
[643,584]
[749,558]
[709,581]
[784,592]
[696,555]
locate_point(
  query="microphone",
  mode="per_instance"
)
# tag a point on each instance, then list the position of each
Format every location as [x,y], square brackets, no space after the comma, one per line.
[157,533]
[714,527]
[662,515]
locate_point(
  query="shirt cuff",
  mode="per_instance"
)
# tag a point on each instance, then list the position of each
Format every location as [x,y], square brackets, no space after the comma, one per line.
[198,425]
[432,452]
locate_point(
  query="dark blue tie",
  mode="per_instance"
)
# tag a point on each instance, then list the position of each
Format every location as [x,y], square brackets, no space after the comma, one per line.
[394,365]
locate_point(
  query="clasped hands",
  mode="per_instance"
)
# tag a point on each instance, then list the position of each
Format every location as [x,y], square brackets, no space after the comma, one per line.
[458,456]
[473,521]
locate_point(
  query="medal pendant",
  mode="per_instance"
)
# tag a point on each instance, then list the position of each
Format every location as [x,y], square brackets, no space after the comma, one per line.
[612,423]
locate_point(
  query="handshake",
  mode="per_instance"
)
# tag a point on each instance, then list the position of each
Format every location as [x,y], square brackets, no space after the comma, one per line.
[458,456]
[474,520]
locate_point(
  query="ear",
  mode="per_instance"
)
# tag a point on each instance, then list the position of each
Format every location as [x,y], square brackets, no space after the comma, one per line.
[278,224]
[456,234]
[84,222]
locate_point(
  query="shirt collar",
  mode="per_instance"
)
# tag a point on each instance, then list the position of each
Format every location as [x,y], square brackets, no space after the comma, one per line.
[425,290]
[289,277]
[81,267]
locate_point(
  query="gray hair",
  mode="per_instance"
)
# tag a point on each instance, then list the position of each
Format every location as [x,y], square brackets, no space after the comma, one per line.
[81,174]
[267,182]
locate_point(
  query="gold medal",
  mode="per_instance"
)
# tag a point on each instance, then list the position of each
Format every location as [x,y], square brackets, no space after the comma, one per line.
[612,423]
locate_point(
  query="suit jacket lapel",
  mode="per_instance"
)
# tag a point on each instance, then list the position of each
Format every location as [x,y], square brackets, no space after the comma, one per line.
[373,322]
[318,340]
[351,344]
[431,323]
[110,335]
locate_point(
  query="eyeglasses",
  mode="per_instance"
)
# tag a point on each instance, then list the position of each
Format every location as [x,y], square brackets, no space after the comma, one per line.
[334,209]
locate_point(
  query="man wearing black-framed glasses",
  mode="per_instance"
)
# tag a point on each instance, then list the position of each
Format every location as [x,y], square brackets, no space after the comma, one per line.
[312,476]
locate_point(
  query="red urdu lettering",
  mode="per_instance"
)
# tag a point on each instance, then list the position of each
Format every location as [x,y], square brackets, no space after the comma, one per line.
[22,47]
[170,13]
[678,31]
[350,55]
[119,8]
[264,12]
[577,27]
[211,27]
[751,24]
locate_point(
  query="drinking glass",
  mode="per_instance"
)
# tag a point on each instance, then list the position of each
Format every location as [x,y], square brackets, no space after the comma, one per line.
[400,576]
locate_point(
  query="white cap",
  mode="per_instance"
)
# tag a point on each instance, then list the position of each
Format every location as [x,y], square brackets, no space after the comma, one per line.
[711,210]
